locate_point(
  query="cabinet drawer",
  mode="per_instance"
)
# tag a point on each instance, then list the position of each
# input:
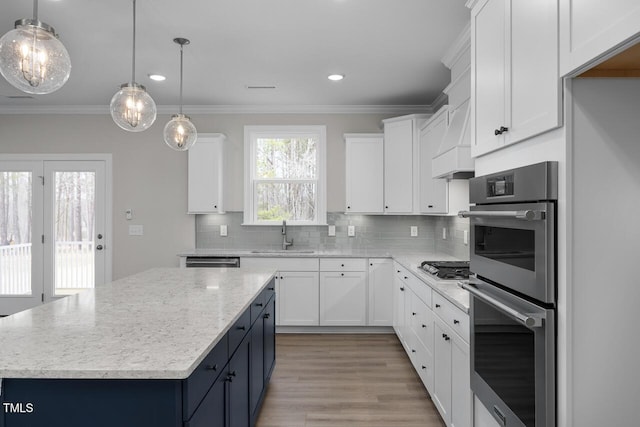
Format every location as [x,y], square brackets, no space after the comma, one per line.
[261,300]
[195,387]
[238,331]
[343,264]
[421,289]
[455,318]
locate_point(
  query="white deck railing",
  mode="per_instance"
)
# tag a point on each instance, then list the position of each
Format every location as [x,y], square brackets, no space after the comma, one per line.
[74,267]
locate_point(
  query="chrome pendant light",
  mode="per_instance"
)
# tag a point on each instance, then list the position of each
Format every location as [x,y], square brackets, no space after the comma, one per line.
[179,133]
[32,58]
[132,108]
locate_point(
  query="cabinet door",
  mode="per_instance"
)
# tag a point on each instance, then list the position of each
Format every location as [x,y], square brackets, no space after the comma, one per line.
[212,411]
[364,177]
[535,83]
[257,365]
[433,192]
[588,29]
[380,292]
[398,166]
[489,32]
[343,298]
[399,291]
[442,369]
[460,383]
[298,299]
[239,384]
[205,175]
[269,338]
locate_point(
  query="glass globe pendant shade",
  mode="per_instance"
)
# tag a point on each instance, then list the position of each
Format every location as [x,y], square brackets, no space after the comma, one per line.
[32,58]
[132,108]
[179,133]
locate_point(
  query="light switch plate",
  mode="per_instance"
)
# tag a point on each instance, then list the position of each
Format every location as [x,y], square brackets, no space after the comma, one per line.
[223,230]
[351,230]
[331,232]
[414,231]
[136,230]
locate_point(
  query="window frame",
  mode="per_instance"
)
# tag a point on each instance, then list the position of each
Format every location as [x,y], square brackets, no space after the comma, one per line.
[251,134]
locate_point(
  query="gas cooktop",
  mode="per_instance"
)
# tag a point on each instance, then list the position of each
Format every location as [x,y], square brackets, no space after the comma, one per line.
[448,270]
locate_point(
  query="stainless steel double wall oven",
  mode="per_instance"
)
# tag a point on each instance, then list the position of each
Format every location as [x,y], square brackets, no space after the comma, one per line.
[513,294]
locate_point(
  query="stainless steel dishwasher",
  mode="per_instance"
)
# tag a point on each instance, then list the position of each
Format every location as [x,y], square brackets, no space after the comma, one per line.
[212,262]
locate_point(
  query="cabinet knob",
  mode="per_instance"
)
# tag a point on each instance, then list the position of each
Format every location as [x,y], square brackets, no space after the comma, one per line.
[348,207]
[215,206]
[402,289]
[267,315]
[386,207]
[241,328]
[430,206]
[446,337]
[272,289]
[259,304]
[342,274]
[437,305]
[455,321]
[211,367]
[424,326]
[280,277]
[371,264]
[413,351]
[413,313]
[424,367]
[405,277]
[501,130]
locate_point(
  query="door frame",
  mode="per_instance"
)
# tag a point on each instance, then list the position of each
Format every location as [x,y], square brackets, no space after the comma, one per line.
[108,220]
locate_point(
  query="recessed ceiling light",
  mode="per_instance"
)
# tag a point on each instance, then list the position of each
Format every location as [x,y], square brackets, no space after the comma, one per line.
[157,77]
[336,77]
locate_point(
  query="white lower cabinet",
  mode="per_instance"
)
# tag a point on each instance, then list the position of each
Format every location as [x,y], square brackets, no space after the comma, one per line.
[435,335]
[380,290]
[343,298]
[298,298]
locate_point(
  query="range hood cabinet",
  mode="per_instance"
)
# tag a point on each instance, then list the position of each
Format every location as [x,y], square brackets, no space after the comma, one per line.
[453,159]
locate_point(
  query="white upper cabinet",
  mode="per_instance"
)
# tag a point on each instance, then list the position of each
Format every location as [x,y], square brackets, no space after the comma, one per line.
[515,86]
[401,163]
[433,192]
[588,29]
[205,174]
[364,175]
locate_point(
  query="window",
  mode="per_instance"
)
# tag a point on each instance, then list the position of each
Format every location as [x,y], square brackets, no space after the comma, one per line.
[285,175]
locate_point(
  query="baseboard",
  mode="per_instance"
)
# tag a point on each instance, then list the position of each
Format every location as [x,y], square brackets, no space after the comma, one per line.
[334,330]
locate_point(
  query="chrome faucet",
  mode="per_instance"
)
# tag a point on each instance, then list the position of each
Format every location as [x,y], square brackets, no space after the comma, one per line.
[285,242]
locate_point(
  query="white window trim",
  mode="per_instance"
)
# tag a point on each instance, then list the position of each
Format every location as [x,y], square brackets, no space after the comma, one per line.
[250,214]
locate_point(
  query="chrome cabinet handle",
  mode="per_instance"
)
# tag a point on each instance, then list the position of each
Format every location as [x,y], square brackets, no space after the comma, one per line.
[527,215]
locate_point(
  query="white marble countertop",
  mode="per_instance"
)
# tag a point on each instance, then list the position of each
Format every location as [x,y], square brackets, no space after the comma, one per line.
[410,260]
[158,324]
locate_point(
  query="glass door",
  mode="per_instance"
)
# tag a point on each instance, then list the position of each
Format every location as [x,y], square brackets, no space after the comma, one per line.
[75,221]
[21,253]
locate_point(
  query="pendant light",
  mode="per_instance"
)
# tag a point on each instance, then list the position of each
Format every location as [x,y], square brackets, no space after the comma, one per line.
[132,108]
[32,58]
[179,133]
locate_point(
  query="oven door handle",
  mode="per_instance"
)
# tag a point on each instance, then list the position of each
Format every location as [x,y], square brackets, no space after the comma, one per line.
[527,320]
[528,215]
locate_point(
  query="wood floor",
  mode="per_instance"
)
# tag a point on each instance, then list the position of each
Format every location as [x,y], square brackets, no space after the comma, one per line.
[345,380]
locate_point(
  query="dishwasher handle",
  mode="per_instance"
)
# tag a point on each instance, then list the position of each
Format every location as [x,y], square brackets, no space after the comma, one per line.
[213,262]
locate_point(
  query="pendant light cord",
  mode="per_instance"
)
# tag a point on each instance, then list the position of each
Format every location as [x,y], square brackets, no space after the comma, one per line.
[133,60]
[181,47]
[35,10]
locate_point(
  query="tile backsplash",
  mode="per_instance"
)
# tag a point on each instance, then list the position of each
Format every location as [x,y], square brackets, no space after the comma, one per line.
[371,232]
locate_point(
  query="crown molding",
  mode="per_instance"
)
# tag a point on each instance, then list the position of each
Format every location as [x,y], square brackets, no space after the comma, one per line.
[471,3]
[229,109]
[439,102]
[458,47]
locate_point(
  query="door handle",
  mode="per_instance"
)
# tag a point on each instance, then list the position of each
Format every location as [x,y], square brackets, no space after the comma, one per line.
[99,247]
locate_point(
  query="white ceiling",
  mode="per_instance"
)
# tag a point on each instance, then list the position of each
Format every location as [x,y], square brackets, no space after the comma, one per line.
[389,50]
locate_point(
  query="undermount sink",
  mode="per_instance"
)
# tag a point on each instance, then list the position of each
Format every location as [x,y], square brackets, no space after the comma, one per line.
[282,251]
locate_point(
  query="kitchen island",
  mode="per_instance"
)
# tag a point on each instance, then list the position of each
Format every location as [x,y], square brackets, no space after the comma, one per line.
[166,347]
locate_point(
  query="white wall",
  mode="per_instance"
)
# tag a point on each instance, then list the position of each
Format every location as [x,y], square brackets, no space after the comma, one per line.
[151,179]
[605,249]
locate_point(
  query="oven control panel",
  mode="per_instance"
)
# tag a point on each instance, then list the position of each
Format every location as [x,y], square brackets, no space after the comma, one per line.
[500,186]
